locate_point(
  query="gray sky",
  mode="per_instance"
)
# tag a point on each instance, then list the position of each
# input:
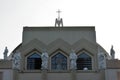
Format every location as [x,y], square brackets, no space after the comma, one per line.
[103,14]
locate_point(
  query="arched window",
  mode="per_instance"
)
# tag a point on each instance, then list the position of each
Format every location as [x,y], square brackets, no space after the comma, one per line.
[84,62]
[59,62]
[34,62]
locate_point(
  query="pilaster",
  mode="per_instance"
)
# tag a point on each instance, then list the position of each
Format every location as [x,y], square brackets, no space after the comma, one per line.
[73,75]
[15,74]
[44,75]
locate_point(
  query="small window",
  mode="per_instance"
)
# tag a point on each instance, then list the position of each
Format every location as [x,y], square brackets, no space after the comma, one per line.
[84,62]
[34,62]
[59,62]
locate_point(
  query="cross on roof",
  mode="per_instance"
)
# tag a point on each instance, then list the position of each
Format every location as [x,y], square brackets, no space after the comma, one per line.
[58,13]
[58,21]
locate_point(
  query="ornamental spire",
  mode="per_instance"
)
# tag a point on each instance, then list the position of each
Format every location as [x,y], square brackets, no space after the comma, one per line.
[58,21]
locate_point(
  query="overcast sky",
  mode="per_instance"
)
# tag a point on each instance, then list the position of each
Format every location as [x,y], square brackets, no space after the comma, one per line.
[103,14]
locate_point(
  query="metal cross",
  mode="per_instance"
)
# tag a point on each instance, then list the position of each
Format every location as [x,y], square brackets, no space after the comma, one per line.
[58,13]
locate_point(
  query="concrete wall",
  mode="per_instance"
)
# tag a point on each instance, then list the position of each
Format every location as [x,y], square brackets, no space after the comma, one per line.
[1,75]
[91,76]
[7,74]
[29,76]
[50,34]
[112,74]
[59,76]
[63,76]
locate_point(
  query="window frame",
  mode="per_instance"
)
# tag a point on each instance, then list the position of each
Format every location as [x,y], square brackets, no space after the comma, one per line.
[26,62]
[55,53]
[89,54]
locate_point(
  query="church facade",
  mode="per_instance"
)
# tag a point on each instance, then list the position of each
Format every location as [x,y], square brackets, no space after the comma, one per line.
[59,53]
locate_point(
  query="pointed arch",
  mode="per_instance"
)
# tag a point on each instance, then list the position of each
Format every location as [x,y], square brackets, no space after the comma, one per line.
[84,61]
[33,61]
[85,44]
[34,44]
[59,61]
[59,44]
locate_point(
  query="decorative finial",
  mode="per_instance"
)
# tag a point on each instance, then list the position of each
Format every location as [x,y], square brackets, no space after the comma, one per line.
[58,21]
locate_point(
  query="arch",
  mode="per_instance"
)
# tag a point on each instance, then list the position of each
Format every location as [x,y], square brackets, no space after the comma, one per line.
[34,44]
[59,44]
[85,44]
[34,61]
[84,61]
[59,61]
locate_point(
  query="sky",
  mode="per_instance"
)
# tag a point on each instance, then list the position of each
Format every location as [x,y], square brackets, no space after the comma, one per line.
[103,14]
